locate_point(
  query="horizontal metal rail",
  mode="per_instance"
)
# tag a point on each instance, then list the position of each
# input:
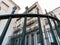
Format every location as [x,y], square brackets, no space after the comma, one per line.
[6,26]
[11,16]
[28,15]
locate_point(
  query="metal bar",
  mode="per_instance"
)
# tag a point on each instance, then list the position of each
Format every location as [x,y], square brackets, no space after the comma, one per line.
[24,32]
[56,27]
[51,30]
[57,21]
[28,15]
[40,29]
[24,29]
[6,27]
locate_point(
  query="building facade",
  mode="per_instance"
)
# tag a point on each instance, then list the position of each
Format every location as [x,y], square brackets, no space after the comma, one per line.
[32,27]
[32,37]
[56,24]
[6,7]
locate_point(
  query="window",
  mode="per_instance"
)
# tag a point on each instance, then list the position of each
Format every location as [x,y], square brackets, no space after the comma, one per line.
[38,38]
[32,39]
[48,29]
[46,21]
[49,35]
[27,40]
[59,13]
[35,10]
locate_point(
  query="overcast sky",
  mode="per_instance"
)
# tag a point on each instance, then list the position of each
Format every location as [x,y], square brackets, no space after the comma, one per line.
[45,4]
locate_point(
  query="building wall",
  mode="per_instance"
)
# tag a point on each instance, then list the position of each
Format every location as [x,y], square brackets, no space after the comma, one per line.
[32,36]
[56,13]
[32,25]
[6,7]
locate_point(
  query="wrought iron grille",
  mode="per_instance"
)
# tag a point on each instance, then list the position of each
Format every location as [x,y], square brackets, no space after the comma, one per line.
[24,27]
[9,17]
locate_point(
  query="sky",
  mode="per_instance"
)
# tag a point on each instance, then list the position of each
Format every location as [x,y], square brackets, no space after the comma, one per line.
[49,5]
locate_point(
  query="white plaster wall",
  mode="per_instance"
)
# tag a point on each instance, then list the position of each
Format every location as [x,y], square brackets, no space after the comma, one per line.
[56,12]
[3,11]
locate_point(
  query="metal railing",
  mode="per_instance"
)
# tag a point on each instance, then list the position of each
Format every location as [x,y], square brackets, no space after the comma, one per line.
[10,16]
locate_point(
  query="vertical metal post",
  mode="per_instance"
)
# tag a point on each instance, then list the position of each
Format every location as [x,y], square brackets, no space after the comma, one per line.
[40,29]
[24,29]
[57,21]
[51,30]
[19,41]
[6,27]
[56,27]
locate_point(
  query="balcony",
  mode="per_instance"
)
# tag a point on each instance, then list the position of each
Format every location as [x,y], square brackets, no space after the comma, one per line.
[33,20]
[17,30]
